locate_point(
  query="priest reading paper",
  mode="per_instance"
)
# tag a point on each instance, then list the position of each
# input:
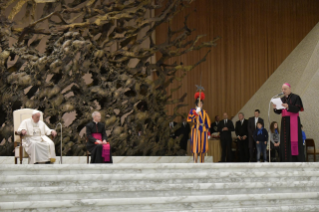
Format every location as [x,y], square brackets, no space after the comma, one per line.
[39,147]
[291,143]
[97,145]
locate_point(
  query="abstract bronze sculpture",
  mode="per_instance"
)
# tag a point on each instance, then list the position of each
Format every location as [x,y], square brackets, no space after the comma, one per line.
[79,39]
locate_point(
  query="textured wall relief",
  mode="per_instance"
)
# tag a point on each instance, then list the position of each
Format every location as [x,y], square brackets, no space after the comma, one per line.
[78,39]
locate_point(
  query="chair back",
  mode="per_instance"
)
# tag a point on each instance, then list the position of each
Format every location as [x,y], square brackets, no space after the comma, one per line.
[19,116]
[310,143]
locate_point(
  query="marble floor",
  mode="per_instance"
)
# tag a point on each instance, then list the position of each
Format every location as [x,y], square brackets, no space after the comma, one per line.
[142,187]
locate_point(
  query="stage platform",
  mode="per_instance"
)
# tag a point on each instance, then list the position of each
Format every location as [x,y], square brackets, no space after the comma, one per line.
[160,187]
[118,159]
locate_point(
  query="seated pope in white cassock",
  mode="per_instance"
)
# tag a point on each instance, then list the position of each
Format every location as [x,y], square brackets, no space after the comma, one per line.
[39,147]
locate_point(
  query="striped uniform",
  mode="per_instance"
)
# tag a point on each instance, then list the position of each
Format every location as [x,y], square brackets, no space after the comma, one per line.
[203,129]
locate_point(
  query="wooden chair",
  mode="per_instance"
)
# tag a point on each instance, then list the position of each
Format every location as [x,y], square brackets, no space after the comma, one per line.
[311,143]
[18,117]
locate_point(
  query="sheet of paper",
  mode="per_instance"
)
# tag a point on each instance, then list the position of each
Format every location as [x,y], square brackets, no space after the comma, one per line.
[278,103]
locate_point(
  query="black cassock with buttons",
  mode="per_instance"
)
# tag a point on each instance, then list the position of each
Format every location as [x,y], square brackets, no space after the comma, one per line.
[92,147]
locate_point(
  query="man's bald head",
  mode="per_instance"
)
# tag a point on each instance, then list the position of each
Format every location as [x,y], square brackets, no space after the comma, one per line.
[286,89]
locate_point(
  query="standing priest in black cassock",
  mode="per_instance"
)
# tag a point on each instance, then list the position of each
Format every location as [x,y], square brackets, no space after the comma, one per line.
[94,143]
[291,143]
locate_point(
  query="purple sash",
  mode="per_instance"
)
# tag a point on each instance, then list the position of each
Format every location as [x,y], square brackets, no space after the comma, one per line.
[293,130]
[106,147]
[97,136]
[106,152]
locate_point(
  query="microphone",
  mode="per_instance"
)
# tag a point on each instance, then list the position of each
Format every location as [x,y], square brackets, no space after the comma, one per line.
[282,93]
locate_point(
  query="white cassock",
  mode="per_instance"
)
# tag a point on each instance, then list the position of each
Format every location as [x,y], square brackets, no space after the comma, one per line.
[39,147]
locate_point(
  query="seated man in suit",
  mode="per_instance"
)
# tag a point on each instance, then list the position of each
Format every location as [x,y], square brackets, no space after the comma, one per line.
[97,144]
[242,137]
[172,127]
[214,126]
[39,147]
[225,127]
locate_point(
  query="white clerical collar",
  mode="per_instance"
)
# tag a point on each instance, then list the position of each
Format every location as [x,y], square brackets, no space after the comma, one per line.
[95,122]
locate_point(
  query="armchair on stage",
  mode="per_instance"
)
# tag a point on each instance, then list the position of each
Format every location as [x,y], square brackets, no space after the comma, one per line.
[18,117]
[41,146]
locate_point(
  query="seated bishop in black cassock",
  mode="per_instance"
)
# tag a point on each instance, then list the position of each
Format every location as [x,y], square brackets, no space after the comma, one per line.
[96,143]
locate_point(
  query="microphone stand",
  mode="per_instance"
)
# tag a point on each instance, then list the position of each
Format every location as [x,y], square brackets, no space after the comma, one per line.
[60,141]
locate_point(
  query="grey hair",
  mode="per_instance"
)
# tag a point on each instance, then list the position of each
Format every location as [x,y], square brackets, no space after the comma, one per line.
[241,113]
[94,113]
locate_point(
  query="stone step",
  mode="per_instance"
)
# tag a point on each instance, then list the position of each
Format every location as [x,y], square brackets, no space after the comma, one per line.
[157,176]
[61,183]
[104,170]
[152,190]
[279,208]
[47,169]
[178,203]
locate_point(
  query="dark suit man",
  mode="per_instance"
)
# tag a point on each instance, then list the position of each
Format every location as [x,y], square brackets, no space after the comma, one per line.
[242,137]
[184,131]
[225,127]
[252,125]
[214,125]
[172,127]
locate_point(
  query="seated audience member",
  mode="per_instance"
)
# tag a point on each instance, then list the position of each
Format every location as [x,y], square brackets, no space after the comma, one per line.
[214,126]
[304,139]
[172,128]
[303,135]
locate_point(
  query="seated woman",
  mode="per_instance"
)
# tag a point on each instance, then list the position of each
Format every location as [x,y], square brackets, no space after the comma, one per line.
[275,141]
[97,145]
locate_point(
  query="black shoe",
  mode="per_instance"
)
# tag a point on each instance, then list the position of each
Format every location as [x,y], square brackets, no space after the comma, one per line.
[48,162]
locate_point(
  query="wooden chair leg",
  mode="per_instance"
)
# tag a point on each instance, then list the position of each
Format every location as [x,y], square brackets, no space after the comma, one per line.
[87,158]
[21,153]
[314,157]
[307,157]
[15,160]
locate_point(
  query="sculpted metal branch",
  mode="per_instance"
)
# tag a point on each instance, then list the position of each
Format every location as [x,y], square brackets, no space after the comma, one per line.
[94,59]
